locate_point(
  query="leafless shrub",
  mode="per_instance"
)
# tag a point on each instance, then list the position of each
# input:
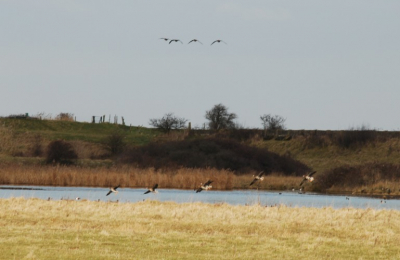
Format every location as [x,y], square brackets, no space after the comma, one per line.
[168,122]
[61,152]
[115,143]
[273,123]
[65,117]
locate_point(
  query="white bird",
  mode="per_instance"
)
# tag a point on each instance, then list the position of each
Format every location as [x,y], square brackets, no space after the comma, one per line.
[113,190]
[218,41]
[206,186]
[195,40]
[257,178]
[152,189]
[308,178]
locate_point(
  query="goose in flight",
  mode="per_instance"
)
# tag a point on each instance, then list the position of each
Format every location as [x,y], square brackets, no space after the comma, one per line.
[175,40]
[195,40]
[152,189]
[259,177]
[206,186]
[308,178]
[218,41]
[113,190]
[165,39]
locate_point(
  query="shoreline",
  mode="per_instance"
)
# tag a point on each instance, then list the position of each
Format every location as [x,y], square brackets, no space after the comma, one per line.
[346,193]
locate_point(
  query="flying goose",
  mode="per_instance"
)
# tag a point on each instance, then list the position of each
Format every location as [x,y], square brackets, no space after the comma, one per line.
[218,41]
[308,178]
[195,40]
[206,186]
[258,177]
[113,190]
[152,189]
[165,39]
[175,40]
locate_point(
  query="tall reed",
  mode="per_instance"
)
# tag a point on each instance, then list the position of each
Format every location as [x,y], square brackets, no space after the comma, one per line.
[127,176]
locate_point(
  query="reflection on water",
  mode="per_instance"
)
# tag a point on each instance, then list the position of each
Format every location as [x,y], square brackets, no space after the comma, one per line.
[236,197]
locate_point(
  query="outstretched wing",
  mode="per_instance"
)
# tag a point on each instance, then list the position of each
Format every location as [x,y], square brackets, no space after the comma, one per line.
[199,190]
[146,192]
[301,183]
[261,174]
[191,41]
[109,193]
[115,188]
[213,42]
[208,183]
[155,186]
[253,182]
[312,173]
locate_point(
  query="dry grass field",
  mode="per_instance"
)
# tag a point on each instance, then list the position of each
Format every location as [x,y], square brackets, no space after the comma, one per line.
[40,229]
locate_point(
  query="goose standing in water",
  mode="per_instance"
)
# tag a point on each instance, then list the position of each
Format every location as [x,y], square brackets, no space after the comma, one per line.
[308,178]
[206,186]
[152,189]
[113,190]
[257,178]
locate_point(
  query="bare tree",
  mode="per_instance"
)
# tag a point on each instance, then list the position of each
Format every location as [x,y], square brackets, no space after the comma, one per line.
[115,143]
[220,118]
[273,123]
[168,122]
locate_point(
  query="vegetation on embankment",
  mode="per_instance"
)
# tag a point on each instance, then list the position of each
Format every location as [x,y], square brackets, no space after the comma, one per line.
[132,177]
[43,229]
[218,153]
[351,152]
[21,137]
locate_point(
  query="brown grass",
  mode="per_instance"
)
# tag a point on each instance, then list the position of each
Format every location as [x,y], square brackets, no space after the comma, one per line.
[41,229]
[132,177]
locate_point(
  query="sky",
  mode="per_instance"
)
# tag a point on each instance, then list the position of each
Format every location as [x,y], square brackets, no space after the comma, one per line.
[326,65]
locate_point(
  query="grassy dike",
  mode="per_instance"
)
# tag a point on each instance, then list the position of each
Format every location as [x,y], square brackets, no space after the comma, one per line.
[40,229]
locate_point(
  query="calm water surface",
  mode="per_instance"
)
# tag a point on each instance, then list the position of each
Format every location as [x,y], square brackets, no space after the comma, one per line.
[235,197]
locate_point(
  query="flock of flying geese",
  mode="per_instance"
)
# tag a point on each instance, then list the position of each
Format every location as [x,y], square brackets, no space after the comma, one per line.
[194,40]
[207,186]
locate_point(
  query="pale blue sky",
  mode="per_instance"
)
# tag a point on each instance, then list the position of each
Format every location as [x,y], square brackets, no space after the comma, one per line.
[319,64]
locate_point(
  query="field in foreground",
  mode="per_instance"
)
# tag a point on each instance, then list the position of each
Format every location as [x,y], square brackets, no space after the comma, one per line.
[41,229]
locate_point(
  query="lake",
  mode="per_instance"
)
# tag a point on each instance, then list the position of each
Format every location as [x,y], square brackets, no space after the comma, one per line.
[235,197]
